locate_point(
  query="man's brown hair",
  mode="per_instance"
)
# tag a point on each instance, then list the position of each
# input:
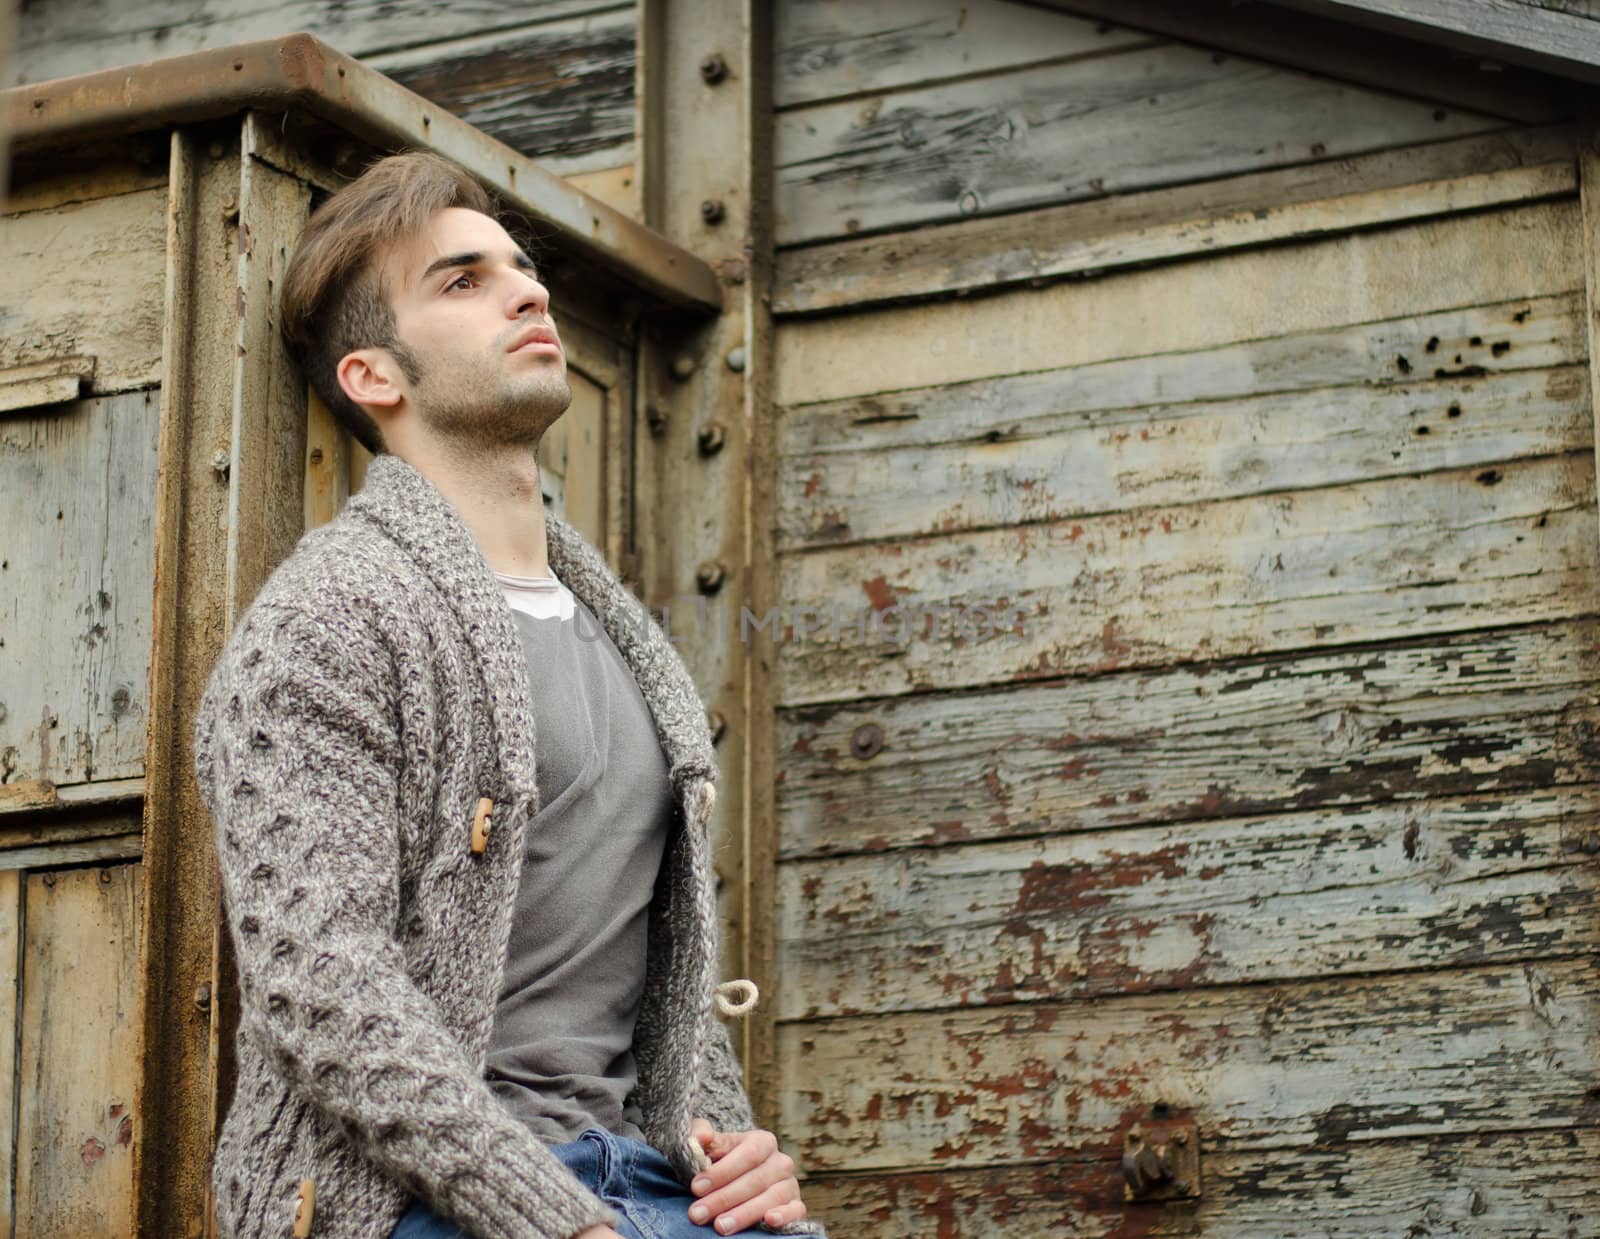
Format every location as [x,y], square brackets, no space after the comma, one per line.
[334,299]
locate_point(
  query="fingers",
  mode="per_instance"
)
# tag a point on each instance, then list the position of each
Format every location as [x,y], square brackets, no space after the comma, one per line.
[742,1152]
[780,1196]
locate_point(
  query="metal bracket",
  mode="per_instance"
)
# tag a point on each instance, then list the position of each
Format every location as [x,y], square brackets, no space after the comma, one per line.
[1161,1162]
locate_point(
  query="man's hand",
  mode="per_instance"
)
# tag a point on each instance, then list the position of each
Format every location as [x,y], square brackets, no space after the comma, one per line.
[750,1181]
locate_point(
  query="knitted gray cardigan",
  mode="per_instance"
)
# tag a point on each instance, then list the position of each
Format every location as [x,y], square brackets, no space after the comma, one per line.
[372,693]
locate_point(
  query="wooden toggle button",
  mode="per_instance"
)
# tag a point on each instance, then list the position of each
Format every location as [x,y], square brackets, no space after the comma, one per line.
[480,826]
[305,1202]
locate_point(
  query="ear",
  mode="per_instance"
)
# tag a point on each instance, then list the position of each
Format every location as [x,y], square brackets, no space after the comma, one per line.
[371,378]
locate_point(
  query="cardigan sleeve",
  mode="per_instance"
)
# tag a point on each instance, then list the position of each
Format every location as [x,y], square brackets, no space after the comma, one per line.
[297,755]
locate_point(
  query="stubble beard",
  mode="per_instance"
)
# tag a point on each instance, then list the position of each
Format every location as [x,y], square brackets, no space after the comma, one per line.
[460,406]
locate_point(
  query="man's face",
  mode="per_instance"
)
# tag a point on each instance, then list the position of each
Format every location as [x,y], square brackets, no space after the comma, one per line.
[488,366]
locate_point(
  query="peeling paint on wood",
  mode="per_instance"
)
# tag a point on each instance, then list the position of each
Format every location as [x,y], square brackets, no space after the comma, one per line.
[1389,273]
[76,562]
[1087,239]
[1486,712]
[77,1041]
[1392,887]
[826,50]
[1379,561]
[65,305]
[1513,1185]
[1032,468]
[562,91]
[57,40]
[1106,124]
[1309,1066]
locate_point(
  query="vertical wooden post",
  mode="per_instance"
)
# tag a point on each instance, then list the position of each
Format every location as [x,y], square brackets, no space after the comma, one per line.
[229,505]
[172,1141]
[704,101]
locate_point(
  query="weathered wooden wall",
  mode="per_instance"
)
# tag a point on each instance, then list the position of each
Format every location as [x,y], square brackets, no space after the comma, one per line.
[551,78]
[1257,402]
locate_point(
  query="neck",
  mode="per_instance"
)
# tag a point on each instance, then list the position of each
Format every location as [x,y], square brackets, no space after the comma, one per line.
[496,491]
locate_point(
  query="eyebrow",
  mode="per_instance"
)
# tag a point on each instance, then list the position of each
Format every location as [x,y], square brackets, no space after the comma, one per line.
[474,258]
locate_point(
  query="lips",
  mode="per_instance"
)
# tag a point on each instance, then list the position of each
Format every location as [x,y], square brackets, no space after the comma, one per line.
[535,335]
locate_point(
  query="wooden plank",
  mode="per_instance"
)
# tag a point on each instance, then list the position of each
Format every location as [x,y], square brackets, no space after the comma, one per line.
[561,91]
[39,798]
[1378,561]
[1184,454]
[78,1053]
[93,170]
[1478,714]
[106,824]
[10,1003]
[190,625]
[1539,332]
[1395,887]
[1041,136]
[1337,49]
[826,50]
[1090,238]
[327,477]
[266,504]
[66,306]
[57,41]
[77,558]
[1517,252]
[1542,38]
[1508,1184]
[81,852]
[1304,1066]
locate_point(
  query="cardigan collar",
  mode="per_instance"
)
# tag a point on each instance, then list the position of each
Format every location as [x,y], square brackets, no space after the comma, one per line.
[413,512]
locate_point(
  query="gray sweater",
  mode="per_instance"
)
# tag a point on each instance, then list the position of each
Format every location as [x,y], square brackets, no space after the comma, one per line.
[370,696]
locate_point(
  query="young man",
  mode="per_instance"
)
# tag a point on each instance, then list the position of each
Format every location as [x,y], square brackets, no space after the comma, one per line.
[460,795]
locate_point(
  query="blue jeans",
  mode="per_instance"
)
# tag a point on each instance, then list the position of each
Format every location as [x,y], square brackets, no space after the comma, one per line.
[628,1175]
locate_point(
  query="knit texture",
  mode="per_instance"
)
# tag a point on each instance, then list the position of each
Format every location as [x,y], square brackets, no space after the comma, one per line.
[371,694]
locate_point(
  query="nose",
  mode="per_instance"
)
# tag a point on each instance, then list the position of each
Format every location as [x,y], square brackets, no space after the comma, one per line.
[528,296]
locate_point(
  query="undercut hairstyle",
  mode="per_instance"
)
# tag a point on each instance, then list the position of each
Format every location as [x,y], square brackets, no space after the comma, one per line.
[334,299]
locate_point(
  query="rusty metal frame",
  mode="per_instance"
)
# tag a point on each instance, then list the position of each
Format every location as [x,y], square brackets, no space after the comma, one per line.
[705,467]
[300,72]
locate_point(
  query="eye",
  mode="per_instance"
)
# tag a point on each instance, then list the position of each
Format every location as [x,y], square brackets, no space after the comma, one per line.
[461,280]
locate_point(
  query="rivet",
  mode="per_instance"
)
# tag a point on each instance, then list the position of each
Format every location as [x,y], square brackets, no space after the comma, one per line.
[655,419]
[105,877]
[683,366]
[711,438]
[316,455]
[49,879]
[866,741]
[202,996]
[220,463]
[709,576]
[736,360]
[712,211]
[717,724]
[713,68]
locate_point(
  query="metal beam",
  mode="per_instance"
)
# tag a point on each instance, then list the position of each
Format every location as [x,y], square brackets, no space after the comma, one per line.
[1336,49]
[1510,30]
[299,72]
